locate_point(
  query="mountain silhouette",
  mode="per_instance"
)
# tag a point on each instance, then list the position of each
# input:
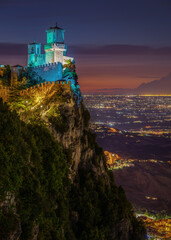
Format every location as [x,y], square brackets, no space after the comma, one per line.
[161,86]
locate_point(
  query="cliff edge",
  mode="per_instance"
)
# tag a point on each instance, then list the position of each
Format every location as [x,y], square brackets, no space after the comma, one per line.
[54,183]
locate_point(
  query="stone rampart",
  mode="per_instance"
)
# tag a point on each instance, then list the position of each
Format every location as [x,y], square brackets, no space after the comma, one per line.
[45,87]
[42,87]
[49,72]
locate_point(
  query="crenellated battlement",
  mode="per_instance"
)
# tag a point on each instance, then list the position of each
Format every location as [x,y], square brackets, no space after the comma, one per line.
[46,86]
[42,87]
[46,65]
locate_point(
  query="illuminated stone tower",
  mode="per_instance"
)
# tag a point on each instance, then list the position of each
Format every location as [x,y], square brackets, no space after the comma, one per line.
[55,49]
[35,58]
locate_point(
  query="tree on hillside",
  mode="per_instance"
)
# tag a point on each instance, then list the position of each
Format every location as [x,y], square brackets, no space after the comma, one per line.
[6,77]
[8,72]
[70,65]
[69,71]
[26,79]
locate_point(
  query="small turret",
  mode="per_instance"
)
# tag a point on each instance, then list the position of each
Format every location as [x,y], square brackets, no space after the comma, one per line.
[35,58]
[34,48]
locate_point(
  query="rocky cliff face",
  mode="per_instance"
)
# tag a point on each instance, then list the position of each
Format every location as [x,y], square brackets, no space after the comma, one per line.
[86,157]
[76,138]
[63,189]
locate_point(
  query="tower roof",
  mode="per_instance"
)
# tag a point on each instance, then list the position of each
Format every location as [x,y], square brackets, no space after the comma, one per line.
[34,43]
[56,27]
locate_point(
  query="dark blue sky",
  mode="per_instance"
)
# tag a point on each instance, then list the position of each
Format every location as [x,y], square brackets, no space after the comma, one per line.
[90,23]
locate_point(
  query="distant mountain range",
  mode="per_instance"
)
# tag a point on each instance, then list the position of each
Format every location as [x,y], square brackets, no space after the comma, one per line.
[161,86]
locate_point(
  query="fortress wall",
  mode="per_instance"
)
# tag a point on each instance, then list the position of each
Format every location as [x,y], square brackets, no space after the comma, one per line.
[40,59]
[49,72]
[45,87]
[4,93]
[36,59]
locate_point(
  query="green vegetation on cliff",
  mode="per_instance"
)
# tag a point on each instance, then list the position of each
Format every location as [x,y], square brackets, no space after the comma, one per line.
[39,201]
[34,171]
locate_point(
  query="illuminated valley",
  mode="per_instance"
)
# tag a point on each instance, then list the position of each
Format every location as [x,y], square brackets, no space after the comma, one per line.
[157,228]
[135,133]
[137,114]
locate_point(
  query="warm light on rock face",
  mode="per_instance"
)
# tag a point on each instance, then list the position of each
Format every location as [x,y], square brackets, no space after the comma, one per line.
[45,97]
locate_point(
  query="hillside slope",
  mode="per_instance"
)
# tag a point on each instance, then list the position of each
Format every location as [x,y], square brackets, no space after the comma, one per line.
[53,176]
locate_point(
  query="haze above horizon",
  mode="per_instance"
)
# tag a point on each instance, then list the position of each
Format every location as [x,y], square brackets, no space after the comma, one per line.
[115,44]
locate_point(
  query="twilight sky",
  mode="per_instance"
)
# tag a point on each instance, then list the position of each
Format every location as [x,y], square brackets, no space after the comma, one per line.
[115,43]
